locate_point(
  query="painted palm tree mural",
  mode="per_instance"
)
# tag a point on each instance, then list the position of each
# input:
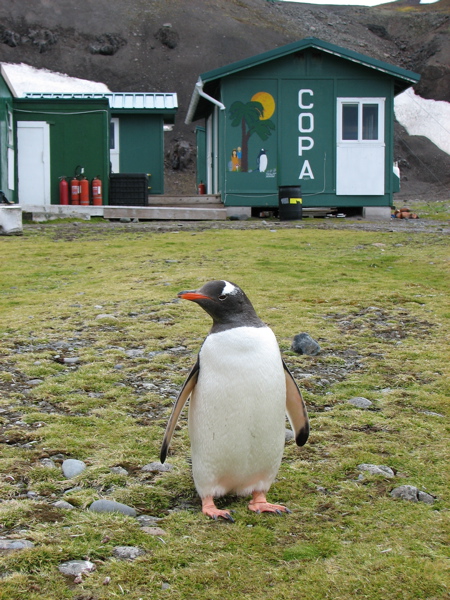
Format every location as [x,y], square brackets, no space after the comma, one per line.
[254,118]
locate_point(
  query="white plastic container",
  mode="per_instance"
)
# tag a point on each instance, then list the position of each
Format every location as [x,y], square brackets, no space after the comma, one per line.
[11,220]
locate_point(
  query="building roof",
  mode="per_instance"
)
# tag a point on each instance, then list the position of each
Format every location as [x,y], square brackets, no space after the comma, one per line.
[207,82]
[120,101]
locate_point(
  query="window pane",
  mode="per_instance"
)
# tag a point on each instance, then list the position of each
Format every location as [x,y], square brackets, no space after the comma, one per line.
[112,139]
[349,121]
[370,121]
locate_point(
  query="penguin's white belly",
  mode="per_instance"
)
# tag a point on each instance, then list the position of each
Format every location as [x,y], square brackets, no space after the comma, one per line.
[237,412]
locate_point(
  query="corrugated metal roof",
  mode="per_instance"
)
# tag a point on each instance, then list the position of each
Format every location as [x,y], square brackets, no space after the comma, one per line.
[120,100]
[208,81]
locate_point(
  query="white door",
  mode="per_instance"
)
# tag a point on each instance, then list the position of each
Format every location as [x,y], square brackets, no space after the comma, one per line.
[360,155]
[33,163]
[114,145]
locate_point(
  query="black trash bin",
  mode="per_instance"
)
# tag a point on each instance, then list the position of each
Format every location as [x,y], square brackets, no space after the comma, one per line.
[290,202]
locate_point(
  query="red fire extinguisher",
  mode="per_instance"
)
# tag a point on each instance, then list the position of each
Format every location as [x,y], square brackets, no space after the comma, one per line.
[201,188]
[84,191]
[63,190]
[74,191]
[97,199]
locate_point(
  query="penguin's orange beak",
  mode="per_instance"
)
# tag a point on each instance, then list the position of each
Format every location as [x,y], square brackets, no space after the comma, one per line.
[192,296]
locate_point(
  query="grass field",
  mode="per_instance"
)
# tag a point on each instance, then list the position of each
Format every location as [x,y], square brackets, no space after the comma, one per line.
[378,305]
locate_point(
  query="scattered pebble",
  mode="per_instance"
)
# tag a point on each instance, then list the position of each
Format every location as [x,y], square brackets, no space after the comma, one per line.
[154,531]
[73,467]
[156,467]
[127,552]
[105,316]
[64,505]
[411,493]
[75,568]
[47,462]
[118,471]
[377,469]
[288,435]
[71,360]
[102,506]
[14,545]
[360,402]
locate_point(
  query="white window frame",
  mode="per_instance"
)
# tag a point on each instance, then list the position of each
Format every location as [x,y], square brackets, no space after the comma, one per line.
[380,102]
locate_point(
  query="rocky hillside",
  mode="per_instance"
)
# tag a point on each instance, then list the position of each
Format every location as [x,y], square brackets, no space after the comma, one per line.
[163,45]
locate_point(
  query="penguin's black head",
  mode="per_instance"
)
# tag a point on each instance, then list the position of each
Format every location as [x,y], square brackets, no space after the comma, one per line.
[226,303]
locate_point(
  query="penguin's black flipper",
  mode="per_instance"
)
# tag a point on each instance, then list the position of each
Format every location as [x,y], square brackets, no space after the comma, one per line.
[296,409]
[186,391]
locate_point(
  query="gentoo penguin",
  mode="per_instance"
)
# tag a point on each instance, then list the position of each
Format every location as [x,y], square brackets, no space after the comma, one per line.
[261,161]
[240,390]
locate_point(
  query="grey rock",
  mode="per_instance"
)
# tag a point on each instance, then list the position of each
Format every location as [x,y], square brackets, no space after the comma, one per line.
[377,469]
[71,360]
[147,520]
[125,220]
[127,552]
[35,381]
[64,505]
[14,545]
[157,467]
[411,493]
[73,467]
[360,402]
[75,568]
[119,471]
[303,343]
[430,413]
[73,490]
[134,353]
[102,506]
[47,462]
[105,316]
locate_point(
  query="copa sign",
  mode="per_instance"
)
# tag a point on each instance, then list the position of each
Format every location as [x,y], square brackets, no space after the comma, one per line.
[305,126]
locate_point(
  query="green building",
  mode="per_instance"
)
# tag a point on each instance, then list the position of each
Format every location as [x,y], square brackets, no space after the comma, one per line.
[45,136]
[308,115]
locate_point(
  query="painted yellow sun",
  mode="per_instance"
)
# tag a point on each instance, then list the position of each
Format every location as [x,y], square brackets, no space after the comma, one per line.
[268,103]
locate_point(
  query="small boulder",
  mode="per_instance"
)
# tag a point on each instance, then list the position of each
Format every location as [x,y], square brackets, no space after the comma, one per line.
[360,402]
[411,493]
[102,506]
[75,568]
[156,467]
[14,545]
[73,467]
[377,469]
[127,552]
[303,343]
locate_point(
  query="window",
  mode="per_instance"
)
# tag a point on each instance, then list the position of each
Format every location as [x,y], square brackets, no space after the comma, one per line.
[360,120]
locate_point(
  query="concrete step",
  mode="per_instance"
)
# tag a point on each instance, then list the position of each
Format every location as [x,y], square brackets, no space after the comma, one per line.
[159,213]
[184,200]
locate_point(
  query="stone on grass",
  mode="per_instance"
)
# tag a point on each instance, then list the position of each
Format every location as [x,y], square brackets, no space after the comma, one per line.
[118,471]
[156,467]
[153,531]
[288,435]
[303,343]
[147,520]
[411,493]
[127,552]
[377,469]
[14,545]
[64,505]
[102,506]
[73,467]
[75,568]
[360,402]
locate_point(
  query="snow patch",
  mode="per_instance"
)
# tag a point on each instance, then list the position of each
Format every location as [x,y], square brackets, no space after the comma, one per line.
[23,79]
[430,118]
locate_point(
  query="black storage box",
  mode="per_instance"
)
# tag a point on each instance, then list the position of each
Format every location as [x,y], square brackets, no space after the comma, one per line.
[128,189]
[290,203]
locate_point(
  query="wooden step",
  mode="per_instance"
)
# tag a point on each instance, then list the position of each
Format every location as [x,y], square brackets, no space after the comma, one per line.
[159,213]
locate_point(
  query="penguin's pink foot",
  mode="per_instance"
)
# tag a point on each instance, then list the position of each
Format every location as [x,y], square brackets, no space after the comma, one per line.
[259,504]
[210,509]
